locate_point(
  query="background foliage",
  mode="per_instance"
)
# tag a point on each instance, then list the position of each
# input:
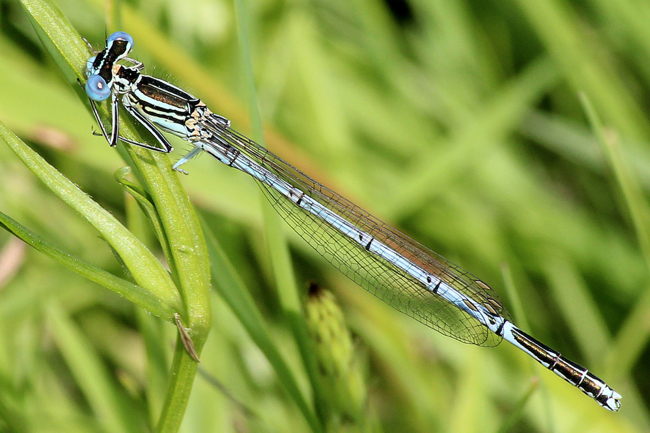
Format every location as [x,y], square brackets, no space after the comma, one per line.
[464,123]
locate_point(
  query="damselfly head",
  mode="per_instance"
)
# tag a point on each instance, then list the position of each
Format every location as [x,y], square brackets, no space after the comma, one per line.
[118,46]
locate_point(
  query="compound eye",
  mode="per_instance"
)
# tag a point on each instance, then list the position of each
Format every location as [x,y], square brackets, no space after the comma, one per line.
[121,36]
[97,89]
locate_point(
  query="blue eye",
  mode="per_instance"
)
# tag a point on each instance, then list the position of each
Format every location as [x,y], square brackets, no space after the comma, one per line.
[120,36]
[97,89]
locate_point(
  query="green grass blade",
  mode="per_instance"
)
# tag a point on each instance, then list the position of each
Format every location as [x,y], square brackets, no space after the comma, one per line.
[59,37]
[143,265]
[144,201]
[136,294]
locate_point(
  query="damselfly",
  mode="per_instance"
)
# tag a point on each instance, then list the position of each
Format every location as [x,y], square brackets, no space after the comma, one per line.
[391,266]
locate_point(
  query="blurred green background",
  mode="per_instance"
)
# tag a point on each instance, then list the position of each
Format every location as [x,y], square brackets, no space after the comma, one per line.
[462,123]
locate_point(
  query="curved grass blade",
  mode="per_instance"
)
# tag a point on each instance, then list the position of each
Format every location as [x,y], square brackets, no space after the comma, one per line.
[59,37]
[143,265]
[134,293]
[148,207]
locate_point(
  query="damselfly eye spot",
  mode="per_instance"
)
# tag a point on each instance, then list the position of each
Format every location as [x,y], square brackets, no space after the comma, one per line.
[97,89]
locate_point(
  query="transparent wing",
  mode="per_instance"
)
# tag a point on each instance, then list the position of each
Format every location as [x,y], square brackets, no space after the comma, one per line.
[378,276]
